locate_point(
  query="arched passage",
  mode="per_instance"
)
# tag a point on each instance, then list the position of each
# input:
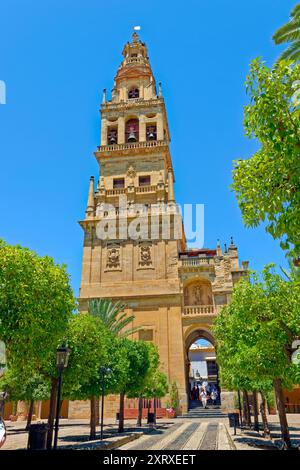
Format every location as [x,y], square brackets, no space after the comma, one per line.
[202,376]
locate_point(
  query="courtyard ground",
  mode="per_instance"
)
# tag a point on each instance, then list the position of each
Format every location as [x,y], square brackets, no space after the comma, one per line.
[183,433]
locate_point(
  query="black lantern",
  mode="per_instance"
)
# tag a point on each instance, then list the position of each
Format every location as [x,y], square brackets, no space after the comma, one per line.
[62,357]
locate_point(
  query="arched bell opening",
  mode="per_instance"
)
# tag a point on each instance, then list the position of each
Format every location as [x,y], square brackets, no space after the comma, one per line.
[151,132]
[112,135]
[132,131]
[202,375]
[134,92]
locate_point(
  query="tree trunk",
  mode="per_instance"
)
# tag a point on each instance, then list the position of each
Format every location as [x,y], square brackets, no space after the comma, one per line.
[97,410]
[255,409]
[14,408]
[140,412]
[30,413]
[121,417]
[93,418]
[52,408]
[154,409]
[264,416]
[281,413]
[4,396]
[247,414]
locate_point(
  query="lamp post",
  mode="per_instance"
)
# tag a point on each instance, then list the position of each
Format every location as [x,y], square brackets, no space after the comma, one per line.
[62,358]
[104,371]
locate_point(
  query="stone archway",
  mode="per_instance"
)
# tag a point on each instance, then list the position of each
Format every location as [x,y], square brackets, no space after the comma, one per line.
[201,365]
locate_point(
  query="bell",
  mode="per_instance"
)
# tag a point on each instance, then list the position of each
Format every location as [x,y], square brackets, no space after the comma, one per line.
[112,139]
[151,136]
[132,137]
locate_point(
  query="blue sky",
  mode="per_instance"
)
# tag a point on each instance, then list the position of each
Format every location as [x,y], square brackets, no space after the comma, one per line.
[58,55]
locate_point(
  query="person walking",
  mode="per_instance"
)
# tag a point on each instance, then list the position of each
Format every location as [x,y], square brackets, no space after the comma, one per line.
[203,396]
[213,396]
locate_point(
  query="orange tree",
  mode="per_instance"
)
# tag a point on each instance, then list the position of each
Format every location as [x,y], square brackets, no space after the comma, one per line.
[255,334]
[36,303]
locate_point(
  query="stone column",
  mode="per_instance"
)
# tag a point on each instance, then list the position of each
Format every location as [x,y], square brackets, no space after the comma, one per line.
[142,129]
[170,186]
[160,127]
[104,131]
[121,130]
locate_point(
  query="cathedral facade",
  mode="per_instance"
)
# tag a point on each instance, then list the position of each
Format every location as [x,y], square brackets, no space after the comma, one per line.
[134,243]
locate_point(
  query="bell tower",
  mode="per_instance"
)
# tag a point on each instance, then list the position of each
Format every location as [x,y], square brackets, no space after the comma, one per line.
[138,261]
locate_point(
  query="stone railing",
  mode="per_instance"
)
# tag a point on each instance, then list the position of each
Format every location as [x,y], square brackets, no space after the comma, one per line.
[131,145]
[115,191]
[194,262]
[145,189]
[195,310]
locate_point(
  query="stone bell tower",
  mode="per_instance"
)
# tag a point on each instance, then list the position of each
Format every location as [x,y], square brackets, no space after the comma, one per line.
[137,262]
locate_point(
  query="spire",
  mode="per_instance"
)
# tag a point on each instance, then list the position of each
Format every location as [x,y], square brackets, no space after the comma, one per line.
[171,197]
[233,251]
[135,37]
[91,203]
[219,249]
[104,96]
[159,90]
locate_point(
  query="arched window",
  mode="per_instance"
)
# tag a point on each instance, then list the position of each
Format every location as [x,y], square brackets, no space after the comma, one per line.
[151,132]
[132,130]
[133,93]
[112,135]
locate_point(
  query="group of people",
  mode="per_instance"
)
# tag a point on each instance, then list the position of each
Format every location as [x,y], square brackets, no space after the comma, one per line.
[205,392]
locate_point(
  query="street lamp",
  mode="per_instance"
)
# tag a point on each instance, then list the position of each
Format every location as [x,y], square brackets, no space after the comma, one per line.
[62,358]
[104,371]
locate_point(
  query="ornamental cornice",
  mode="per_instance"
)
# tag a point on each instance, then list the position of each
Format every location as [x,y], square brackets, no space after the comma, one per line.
[132,104]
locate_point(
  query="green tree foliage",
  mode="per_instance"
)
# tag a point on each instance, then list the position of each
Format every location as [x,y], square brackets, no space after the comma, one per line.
[20,386]
[88,340]
[290,33]
[254,335]
[267,185]
[112,315]
[155,384]
[36,302]
[138,361]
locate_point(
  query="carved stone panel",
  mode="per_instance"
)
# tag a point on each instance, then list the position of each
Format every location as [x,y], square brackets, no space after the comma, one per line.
[113,257]
[145,255]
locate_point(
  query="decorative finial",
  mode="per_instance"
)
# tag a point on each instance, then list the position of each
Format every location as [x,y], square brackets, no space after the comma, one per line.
[231,241]
[134,34]
[225,248]
[218,243]
[104,96]
[159,90]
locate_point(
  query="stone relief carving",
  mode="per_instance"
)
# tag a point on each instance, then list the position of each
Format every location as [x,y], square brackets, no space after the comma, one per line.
[145,255]
[198,293]
[113,257]
[131,174]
